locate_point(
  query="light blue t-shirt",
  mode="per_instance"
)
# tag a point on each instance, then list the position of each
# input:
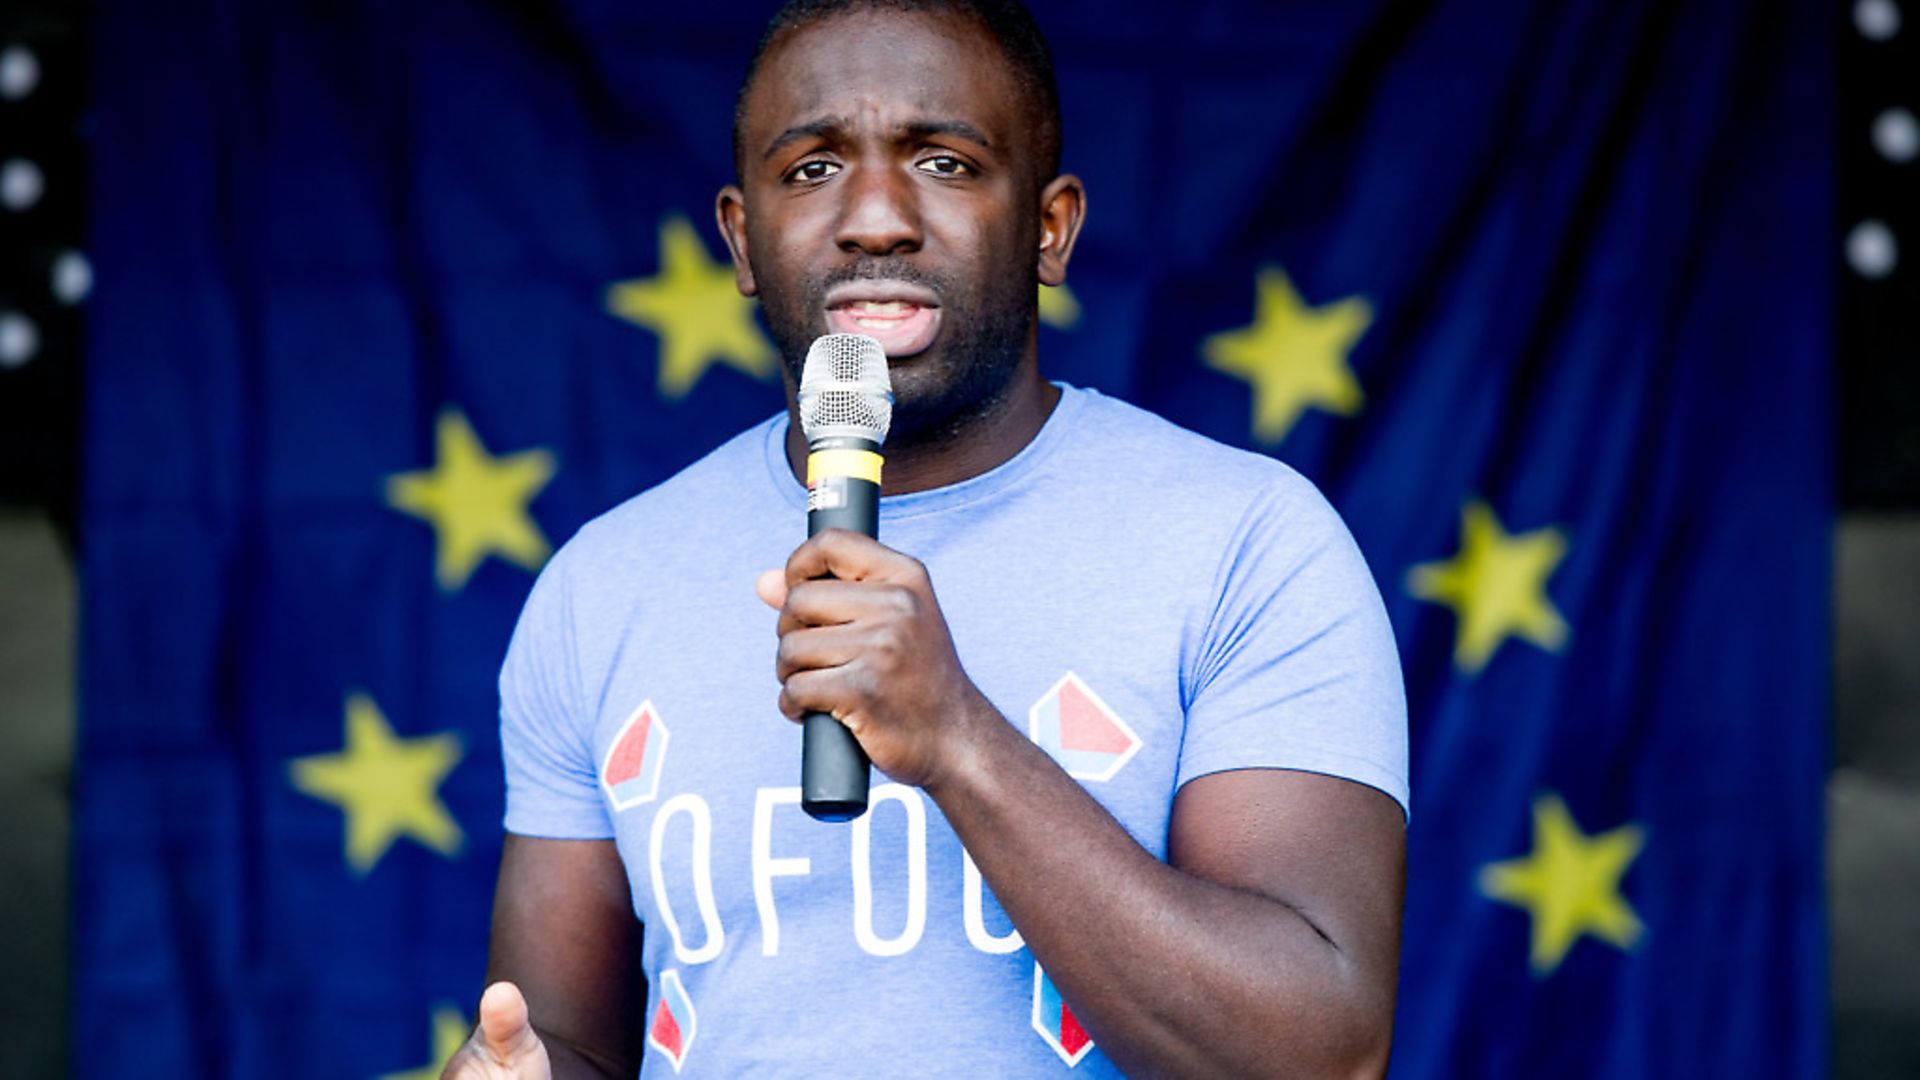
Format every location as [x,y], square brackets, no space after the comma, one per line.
[1148,605]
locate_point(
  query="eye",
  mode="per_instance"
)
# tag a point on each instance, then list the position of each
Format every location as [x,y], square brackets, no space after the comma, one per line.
[945,165]
[813,171]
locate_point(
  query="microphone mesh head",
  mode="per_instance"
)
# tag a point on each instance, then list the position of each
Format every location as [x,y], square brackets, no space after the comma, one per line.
[844,389]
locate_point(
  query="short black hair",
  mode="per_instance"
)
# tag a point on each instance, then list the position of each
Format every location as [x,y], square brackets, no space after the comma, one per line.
[1009,22]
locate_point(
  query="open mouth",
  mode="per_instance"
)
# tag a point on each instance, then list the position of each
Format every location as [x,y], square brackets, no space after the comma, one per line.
[904,319]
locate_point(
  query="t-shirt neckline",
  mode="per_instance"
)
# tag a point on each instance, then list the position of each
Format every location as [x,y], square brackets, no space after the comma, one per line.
[935,500]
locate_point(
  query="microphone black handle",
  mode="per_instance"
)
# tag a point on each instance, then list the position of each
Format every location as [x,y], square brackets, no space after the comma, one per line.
[843,492]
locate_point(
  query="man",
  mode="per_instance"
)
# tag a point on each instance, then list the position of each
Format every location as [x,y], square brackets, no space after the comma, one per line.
[1154,705]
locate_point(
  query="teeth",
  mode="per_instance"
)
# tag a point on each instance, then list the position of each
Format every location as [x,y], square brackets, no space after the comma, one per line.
[881,307]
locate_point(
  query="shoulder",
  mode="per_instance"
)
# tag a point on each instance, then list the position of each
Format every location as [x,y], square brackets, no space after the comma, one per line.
[654,541]
[1167,466]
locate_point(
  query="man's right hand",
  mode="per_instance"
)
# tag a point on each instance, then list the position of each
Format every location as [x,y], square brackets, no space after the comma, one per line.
[503,1045]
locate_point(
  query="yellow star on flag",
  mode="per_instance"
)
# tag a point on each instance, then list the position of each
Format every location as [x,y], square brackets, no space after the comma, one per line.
[450,1031]
[1294,356]
[1059,308]
[1570,884]
[697,311]
[476,503]
[1496,586]
[387,786]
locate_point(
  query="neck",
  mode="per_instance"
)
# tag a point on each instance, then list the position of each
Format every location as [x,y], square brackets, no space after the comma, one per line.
[982,444]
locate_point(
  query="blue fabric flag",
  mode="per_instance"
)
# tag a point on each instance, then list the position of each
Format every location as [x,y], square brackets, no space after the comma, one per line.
[393,297]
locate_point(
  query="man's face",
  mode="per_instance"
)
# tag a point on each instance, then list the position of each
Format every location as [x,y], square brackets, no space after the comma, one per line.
[889,189]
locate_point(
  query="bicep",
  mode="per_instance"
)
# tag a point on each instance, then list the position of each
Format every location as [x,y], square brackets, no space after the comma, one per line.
[1331,849]
[564,931]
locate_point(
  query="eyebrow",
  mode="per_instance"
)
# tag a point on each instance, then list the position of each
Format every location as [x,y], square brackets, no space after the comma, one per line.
[919,129]
[811,130]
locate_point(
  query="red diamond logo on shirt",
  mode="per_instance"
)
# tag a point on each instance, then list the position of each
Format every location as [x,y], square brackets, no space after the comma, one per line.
[1080,731]
[1055,1022]
[674,1022]
[630,774]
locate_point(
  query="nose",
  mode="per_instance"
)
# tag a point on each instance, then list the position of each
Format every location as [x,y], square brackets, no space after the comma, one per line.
[880,215]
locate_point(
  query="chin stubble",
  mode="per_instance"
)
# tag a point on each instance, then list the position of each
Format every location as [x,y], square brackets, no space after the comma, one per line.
[983,341]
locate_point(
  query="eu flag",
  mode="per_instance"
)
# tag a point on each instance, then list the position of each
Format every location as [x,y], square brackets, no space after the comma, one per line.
[393,297]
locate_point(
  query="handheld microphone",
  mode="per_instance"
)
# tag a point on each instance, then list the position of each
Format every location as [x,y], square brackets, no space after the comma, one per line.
[846,405]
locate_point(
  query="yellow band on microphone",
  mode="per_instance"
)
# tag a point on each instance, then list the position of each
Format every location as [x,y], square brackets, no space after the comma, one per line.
[857,464]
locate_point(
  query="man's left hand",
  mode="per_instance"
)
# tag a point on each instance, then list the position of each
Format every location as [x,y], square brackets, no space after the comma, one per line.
[862,638]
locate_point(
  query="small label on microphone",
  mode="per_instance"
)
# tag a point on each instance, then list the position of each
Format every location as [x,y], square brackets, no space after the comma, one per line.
[830,493]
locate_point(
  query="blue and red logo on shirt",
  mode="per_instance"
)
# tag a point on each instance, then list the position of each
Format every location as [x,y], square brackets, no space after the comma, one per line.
[674,1022]
[1080,731]
[1055,1021]
[631,772]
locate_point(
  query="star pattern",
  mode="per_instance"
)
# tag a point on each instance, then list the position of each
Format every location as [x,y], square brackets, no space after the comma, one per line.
[1059,308]
[476,503]
[1569,884]
[1294,356]
[696,309]
[450,1030]
[1496,586]
[387,786]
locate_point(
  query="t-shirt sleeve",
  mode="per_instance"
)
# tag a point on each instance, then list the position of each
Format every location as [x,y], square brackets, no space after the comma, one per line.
[1297,667]
[553,788]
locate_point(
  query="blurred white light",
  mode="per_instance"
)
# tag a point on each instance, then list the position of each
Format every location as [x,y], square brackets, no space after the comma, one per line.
[21,184]
[1877,20]
[1896,135]
[19,339]
[1872,250]
[72,277]
[19,72]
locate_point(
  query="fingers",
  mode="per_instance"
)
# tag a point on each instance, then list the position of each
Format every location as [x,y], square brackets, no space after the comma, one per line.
[504,1045]
[505,1030]
[772,587]
[839,554]
[854,615]
[811,649]
[822,670]
[831,603]
[849,556]
[842,692]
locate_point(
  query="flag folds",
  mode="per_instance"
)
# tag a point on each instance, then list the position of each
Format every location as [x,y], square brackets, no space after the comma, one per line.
[393,297]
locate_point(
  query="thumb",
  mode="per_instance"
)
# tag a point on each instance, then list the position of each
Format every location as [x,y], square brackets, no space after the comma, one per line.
[772,587]
[505,1030]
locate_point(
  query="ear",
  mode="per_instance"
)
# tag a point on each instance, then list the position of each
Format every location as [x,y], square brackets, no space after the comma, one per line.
[730,210]
[1063,206]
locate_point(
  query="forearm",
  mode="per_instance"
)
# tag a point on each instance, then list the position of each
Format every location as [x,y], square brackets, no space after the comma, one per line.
[1171,973]
[565,936]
